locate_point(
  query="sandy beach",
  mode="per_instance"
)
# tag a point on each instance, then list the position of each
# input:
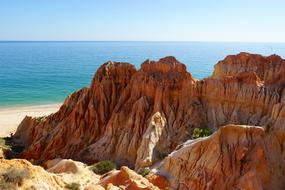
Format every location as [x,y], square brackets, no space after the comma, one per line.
[11,117]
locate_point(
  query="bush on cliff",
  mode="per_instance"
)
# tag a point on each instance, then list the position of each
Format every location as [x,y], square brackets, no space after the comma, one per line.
[40,119]
[103,167]
[73,186]
[144,172]
[204,132]
[4,143]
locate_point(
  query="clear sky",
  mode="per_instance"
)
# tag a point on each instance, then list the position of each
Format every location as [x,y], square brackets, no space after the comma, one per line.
[139,20]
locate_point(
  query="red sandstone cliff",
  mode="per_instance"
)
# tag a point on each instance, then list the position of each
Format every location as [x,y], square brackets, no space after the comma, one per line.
[137,118]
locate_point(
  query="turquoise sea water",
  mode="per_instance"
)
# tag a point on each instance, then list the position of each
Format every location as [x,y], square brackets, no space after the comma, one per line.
[46,72]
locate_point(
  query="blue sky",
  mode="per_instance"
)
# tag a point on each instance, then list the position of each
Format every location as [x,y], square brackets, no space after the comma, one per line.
[139,20]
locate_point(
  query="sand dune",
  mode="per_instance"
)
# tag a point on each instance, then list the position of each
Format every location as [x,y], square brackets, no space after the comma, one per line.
[10,118]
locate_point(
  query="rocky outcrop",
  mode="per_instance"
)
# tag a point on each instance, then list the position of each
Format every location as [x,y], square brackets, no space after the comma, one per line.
[239,99]
[127,178]
[138,117]
[270,69]
[73,172]
[146,151]
[21,174]
[61,174]
[108,120]
[154,88]
[83,112]
[235,157]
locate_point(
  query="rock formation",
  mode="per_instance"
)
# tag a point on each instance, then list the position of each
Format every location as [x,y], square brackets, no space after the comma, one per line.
[235,157]
[111,117]
[22,175]
[73,172]
[269,69]
[128,178]
[145,118]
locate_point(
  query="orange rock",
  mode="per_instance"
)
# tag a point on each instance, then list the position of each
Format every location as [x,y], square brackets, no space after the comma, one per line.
[126,179]
[137,118]
[235,157]
[21,174]
[271,69]
[160,181]
[109,120]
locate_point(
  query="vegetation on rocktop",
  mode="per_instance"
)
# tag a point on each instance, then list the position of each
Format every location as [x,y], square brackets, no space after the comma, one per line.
[144,172]
[13,178]
[203,132]
[103,167]
[40,119]
[73,186]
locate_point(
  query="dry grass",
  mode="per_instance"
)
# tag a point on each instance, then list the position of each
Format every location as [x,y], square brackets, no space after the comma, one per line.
[13,178]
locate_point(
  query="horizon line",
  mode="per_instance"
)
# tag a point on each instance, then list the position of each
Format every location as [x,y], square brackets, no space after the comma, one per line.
[180,41]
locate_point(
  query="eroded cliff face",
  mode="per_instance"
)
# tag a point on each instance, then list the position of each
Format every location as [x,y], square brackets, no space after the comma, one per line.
[109,120]
[235,157]
[138,117]
[270,69]
[80,120]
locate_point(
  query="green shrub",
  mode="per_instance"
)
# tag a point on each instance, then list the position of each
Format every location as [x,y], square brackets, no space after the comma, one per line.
[73,186]
[168,188]
[204,132]
[103,167]
[144,172]
[40,119]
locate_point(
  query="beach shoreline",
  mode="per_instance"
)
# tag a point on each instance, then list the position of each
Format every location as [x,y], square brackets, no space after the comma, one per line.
[11,117]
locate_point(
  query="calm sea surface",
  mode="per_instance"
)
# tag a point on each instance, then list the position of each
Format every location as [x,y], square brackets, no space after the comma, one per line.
[34,73]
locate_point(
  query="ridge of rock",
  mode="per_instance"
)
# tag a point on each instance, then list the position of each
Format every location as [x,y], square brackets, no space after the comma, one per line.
[269,69]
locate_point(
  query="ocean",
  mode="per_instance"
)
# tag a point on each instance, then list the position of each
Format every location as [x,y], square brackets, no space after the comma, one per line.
[36,73]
